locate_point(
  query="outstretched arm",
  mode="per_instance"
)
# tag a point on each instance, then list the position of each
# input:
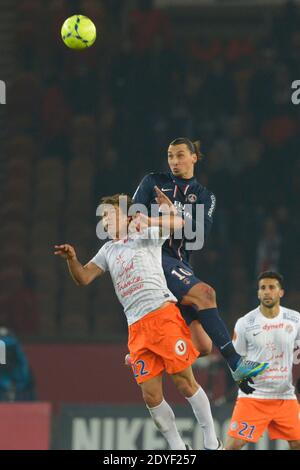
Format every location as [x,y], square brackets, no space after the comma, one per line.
[82,275]
[167,223]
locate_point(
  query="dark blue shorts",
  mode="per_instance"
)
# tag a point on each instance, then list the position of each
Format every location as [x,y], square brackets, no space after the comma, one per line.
[180,279]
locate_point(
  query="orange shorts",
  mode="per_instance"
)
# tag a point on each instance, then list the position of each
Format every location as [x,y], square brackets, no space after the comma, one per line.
[160,341]
[252,416]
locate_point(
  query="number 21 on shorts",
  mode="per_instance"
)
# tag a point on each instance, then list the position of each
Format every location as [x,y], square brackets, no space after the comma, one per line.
[246,431]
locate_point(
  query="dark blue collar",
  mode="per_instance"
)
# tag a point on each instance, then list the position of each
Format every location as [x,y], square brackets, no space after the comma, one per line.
[178,180]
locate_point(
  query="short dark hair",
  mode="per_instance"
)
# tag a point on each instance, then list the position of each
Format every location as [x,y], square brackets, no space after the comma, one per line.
[271,275]
[194,147]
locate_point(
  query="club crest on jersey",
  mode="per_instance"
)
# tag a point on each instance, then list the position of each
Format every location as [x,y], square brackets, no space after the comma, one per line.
[289,329]
[180,347]
[192,198]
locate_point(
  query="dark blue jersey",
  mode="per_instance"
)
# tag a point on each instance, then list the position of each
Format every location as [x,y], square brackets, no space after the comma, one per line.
[180,192]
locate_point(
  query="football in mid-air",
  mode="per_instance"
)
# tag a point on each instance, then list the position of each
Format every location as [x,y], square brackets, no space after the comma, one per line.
[78,32]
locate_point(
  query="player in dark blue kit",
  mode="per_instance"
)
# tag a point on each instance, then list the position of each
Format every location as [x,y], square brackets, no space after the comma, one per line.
[197,299]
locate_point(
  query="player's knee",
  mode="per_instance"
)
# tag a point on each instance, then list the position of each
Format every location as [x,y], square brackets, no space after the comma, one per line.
[294,445]
[205,350]
[207,294]
[186,386]
[234,444]
[152,398]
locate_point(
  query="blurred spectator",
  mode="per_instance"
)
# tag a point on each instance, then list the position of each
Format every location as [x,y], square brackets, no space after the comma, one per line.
[16,379]
[147,23]
[268,249]
[23,314]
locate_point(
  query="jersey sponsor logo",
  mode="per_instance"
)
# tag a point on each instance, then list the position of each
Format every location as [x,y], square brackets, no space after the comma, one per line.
[192,198]
[180,347]
[277,326]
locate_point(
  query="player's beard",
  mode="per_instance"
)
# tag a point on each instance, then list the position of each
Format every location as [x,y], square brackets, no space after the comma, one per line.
[269,304]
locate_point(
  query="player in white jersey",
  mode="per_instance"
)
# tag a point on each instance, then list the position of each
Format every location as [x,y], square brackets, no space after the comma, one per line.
[159,339]
[269,333]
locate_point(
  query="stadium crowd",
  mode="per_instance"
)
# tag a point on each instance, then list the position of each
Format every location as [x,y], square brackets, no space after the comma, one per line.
[83,125]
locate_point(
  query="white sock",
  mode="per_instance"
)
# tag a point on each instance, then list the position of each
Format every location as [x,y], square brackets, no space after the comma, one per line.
[201,408]
[164,420]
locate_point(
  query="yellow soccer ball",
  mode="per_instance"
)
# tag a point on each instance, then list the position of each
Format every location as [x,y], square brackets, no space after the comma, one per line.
[78,32]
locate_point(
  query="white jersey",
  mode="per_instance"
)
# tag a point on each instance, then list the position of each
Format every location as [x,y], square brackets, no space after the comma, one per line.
[272,340]
[136,270]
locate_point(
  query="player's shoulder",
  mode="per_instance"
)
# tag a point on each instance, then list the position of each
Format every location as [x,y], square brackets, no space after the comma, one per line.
[158,177]
[203,191]
[105,246]
[291,315]
[249,318]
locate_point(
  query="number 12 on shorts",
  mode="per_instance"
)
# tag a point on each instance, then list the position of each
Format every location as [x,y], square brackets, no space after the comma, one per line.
[139,369]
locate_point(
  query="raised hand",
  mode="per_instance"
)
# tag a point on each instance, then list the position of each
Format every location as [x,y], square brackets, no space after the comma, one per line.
[65,251]
[164,201]
[140,221]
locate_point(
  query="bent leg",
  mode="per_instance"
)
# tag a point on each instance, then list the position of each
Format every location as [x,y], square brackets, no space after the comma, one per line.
[203,297]
[200,338]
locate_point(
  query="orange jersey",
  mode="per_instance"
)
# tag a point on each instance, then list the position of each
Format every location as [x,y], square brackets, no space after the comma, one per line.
[159,342]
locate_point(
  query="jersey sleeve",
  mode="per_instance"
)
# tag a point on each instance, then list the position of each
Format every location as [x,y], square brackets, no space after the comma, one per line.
[208,199]
[100,259]
[239,338]
[209,209]
[143,194]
